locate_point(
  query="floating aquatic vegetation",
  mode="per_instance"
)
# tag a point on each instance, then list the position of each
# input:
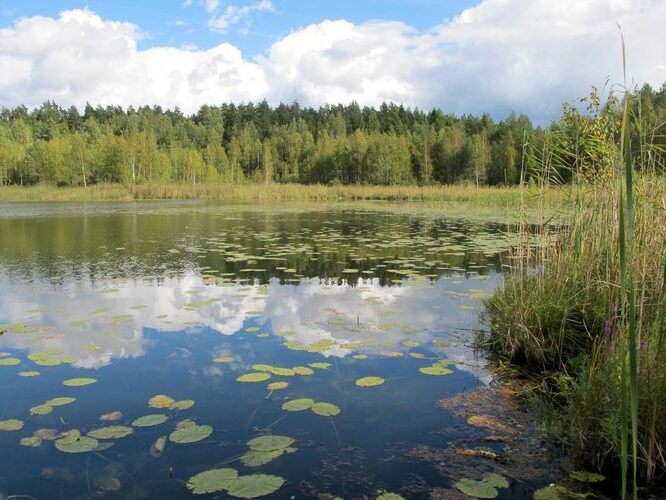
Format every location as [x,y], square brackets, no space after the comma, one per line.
[270,443]
[320,365]
[10,362]
[325,409]
[369,381]
[111,417]
[253,377]
[158,446]
[111,432]
[435,370]
[252,329]
[78,382]
[59,401]
[41,410]
[223,359]
[11,425]
[29,374]
[182,405]
[488,422]
[191,434]
[212,481]
[390,496]
[254,458]
[485,488]
[411,343]
[31,442]
[276,386]
[150,420]
[161,401]
[255,486]
[360,356]
[77,444]
[303,370]
[587,477]
[556,492]
[298,404]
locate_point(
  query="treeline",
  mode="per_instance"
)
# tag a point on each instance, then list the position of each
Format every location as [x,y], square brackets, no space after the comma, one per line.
[332,144]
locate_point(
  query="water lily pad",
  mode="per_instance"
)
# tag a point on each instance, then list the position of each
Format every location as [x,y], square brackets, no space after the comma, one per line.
[276,386]
[496,480]
[255,486]
[369,381]
[390,496]
[158,446]
[303,370]
[223,359]
[435,370]
[41,410]
[587,477]
[191,434]
[161,401]
[325,409]
[182,405]
[254,377]
[11,425]
[411,343]
[9,362]
[31,442]
[319,365]
[150,420]
[254,458]
[212,481]
[298,404]
[111,417]
[80,445]
[555,492]
[78,382]
[60,401]
[270,443]
[29,374]
[111,432]
[476,489]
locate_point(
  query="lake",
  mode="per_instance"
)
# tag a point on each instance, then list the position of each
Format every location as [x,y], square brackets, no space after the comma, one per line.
[303,350]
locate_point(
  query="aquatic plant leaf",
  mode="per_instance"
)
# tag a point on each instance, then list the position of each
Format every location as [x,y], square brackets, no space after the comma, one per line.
[41,410]
[182,405]
[319,365]
[111,417]
[161,401]
[587,477]
[111,432]
[369,381]
[223,359]
[158,446]
[254,377]
[31,442]
[255,486]
[325,409]
[476,489]
[212,481]
[555,492]
[150,420]
[303,370]
[411,343]
[9,362]
[60,401]
[270,443]
[276,386]
[78,382]
[390,496]
[435,370]
[255,458]
[298,404]
[360,356]
[11,425]
[496,480]
[191,434]
[29,374]
[80,445]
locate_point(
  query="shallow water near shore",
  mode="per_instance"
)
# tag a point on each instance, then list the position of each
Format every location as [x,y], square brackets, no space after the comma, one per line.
[367,308]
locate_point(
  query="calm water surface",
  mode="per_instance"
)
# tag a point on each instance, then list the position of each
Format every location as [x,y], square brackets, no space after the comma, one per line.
[182,299]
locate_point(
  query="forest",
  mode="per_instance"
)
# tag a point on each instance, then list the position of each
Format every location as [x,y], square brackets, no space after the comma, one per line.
[335,144]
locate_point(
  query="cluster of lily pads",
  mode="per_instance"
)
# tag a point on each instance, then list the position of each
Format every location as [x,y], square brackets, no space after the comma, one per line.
[322,409]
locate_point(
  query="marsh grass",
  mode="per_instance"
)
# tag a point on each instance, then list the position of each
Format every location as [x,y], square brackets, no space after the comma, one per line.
[477,196]
[586,318]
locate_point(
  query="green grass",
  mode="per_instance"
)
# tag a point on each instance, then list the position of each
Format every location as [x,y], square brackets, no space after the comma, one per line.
[477,196]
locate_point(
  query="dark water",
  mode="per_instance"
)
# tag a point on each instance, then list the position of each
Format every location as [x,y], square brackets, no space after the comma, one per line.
[143,297]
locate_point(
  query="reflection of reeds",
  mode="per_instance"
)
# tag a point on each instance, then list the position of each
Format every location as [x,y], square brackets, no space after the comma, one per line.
[588,316]
[495,197]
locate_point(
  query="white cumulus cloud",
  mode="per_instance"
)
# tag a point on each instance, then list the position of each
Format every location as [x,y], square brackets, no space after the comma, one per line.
[234,14]
[502,55]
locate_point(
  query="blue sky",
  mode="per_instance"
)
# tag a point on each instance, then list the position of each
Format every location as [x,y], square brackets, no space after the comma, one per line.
[174,23]
[463,56]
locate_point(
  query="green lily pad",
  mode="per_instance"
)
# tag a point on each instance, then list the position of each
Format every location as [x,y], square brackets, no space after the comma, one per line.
[9,362]
[411,343]
[150,420]
[111,432]
[29,374]
[31,442]
[11,425]
[270,443]
[276,386]
[303,370]
[435,370]
[60,401]
[369,381]
[476,489]
[161,401]
[212,481]
[80,445]
[325,409]
[78,382]
[255,486]
[319,365]
[587,477]
[254,458]
[298,404]
[223,359]
[254,377]
[555,492]
[158,446]
[41,410]
[390,496]
[182,405]
[191,434]
[496,480]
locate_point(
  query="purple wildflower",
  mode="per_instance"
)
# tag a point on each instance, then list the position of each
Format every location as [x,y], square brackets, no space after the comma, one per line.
[608,329]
